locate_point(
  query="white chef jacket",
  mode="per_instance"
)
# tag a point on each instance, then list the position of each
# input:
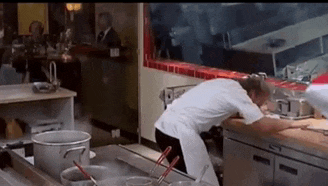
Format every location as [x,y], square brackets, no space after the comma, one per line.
[196,111]
[317,96]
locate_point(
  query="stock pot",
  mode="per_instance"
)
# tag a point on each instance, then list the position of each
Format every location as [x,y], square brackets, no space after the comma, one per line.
[55,151]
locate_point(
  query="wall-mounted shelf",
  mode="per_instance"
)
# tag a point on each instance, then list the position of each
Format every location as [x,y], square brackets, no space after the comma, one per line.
[294,35]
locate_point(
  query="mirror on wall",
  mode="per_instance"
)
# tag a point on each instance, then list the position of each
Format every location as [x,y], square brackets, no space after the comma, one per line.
[277,38]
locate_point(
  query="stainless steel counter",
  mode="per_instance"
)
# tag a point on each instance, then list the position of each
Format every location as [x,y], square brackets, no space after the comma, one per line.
[290,157]
[120,160]
[303,145]
[124,162]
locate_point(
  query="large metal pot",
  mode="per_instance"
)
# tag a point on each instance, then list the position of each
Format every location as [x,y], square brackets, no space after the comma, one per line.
[55,151]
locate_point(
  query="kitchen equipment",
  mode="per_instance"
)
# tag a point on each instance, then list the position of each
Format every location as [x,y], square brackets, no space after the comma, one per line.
[202,174]
[148,181]
[134,164]
[168,170]
[140,181]
[294,108]
[55,151]
[290,104]
[188,183]
[53,75]
[169,94]
[15,171]
[73,177]
[43,87]
[160,159]
[34,129]
[86,174]
[119,181]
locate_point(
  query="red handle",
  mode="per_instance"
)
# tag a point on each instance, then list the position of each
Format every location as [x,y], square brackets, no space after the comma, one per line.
[168,170]
[86,175]
[163,155]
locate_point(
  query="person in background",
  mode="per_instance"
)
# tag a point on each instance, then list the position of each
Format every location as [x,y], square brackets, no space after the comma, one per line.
[36,30]
[16,57]
[209,104]
[107,36]
[38,41]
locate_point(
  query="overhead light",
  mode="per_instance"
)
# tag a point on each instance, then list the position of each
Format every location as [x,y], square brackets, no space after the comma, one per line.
[73,6]
[77,6]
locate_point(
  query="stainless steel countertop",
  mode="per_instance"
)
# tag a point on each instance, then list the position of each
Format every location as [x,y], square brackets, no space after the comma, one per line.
[124,162]
[303,145]
[121,162]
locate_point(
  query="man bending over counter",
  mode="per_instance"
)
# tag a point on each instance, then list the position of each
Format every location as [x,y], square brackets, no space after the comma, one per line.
[206,105]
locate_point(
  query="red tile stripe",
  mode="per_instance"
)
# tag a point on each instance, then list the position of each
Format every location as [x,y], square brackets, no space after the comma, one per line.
[208,73]
[323,79]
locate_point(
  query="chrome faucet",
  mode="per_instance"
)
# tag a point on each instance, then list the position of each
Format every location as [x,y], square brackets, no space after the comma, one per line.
[53,75]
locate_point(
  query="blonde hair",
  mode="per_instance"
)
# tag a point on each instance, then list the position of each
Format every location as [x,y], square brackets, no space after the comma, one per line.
[257,84]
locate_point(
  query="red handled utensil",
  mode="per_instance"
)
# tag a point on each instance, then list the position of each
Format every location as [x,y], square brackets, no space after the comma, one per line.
[168,170]
[160,159]
[86,175]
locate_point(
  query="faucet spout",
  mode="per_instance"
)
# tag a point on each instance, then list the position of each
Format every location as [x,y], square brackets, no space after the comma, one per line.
[53,76]
[53,72]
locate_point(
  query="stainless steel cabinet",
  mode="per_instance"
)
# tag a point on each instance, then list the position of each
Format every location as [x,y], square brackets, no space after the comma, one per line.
[246,165]
[292,173]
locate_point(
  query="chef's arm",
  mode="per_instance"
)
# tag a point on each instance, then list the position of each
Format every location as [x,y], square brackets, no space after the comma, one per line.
[273,125]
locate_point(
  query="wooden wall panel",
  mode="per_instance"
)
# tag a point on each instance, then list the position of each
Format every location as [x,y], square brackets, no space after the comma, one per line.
[29,12]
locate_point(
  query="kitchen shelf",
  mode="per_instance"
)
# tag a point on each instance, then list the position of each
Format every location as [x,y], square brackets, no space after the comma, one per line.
[24,92]
[26,139]
[20,102]
[294,36]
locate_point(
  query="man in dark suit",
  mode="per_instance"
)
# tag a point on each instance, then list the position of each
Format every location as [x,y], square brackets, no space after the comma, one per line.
[108,37]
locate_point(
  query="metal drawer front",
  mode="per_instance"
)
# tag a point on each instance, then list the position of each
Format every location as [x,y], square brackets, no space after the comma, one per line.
[292,173]
[246,165]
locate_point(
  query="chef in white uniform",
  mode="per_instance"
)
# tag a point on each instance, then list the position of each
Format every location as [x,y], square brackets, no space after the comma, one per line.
[206,105]
[317,96]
